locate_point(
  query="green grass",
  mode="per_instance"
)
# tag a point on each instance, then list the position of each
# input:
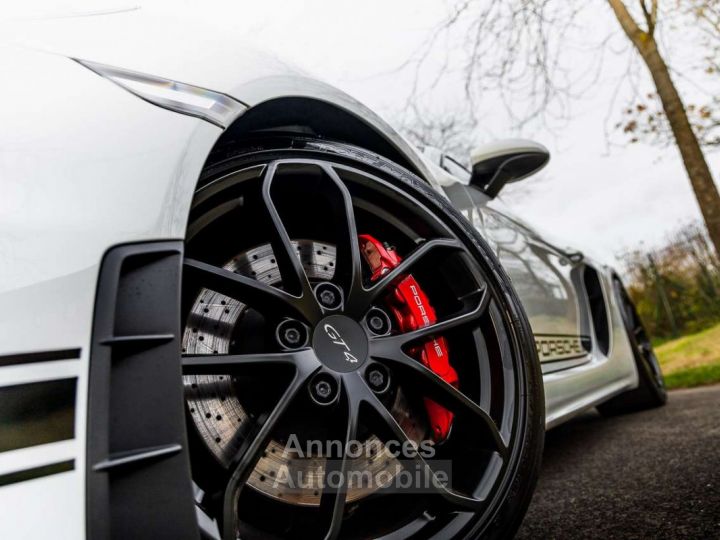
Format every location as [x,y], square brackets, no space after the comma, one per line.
[697,376]
[691,360]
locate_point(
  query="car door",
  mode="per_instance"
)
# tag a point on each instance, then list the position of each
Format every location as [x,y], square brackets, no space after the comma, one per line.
[545,278]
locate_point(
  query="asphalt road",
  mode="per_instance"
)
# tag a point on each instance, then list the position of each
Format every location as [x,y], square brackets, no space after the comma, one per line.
[653,474]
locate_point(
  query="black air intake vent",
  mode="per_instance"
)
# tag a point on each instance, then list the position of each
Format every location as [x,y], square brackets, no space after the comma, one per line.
[598,309]
[138,471]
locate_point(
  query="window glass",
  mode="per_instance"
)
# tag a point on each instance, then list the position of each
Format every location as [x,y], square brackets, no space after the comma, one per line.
[456,168]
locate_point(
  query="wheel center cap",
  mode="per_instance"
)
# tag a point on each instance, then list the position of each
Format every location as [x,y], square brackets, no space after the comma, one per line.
[340,343]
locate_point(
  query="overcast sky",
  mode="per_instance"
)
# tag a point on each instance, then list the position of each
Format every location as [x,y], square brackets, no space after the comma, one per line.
[601,200]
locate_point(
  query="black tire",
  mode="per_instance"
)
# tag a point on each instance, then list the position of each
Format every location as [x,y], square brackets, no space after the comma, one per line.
[508,502]
[650,392]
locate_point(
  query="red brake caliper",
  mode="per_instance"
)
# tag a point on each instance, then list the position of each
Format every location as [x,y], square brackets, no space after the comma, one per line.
[412,310]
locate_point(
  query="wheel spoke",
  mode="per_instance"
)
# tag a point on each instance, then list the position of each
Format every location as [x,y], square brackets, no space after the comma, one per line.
[290,267]
[247,457]
[260,296]
[435,388]
[216,364]
[348,265]
[332,501]
[309,210]
[362,299]
[454,499]
[388,345]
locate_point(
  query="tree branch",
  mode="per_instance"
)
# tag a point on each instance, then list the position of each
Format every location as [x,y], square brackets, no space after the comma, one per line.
[648,17]
[653,17]
[634,33]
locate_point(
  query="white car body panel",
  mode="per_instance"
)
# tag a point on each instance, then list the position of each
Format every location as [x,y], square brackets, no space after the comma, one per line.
[85,166]
[49,507]
[188,52]
[570,392]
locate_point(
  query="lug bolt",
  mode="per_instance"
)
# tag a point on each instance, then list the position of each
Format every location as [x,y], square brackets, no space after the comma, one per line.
[291,334]
[378,378]
[323,389]
[329,295]
[327,298]
[378,322]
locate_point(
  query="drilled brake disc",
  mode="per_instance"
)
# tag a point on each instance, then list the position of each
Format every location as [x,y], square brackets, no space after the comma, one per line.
[218,412]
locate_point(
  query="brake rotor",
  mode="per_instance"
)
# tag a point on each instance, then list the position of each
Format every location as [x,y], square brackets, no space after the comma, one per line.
[218,412]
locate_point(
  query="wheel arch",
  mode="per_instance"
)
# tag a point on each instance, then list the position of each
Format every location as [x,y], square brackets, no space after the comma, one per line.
[321,119]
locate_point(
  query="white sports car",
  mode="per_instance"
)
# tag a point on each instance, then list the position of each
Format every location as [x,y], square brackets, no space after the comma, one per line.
[237,304]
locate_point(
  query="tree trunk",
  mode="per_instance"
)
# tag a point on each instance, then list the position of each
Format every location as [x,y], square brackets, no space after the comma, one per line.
[706,192]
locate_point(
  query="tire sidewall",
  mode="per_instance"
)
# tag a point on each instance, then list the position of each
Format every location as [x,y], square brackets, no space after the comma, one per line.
[646,382]
[504,515]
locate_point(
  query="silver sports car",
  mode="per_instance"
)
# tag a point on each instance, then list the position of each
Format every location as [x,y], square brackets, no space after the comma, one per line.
[237,304]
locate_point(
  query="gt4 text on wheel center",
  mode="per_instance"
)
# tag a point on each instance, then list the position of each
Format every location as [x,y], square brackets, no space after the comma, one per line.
[340,343]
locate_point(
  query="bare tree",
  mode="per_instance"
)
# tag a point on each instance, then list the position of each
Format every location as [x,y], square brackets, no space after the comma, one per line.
[521,49]
[643,39]
[644,118]
[449,131]
[675,285]
[644,121]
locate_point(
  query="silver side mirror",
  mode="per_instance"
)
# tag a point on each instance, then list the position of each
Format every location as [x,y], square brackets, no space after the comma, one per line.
[498,163]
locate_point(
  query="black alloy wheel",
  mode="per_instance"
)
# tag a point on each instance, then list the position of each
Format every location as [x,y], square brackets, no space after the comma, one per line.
[651,390]
[287,341]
